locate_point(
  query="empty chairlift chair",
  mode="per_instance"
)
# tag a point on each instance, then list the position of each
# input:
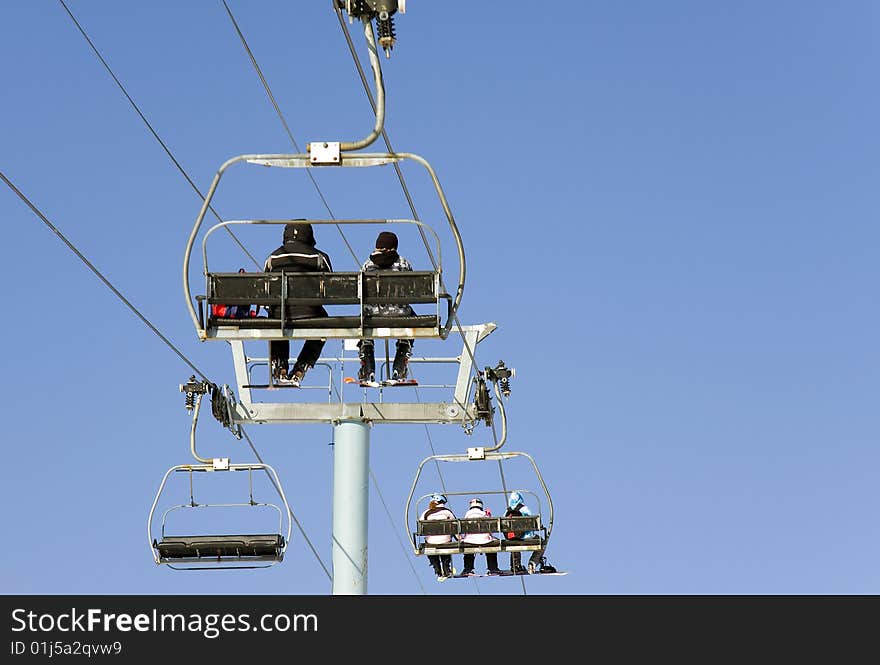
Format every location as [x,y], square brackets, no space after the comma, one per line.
[212,550]
[189,551]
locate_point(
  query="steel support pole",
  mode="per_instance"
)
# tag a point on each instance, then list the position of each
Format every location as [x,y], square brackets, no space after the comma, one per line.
[351,475]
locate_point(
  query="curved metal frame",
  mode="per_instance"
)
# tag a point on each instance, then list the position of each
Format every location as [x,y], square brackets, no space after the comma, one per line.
[482,493]
[302,161]
[230,222]
[209,468]
[466,458]
[373,55]
[216,465]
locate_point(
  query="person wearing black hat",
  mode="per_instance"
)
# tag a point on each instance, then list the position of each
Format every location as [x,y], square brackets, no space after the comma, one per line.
[297,254]
[385,257]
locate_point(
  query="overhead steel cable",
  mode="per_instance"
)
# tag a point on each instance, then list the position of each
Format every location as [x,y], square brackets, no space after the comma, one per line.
[396,166]
[290,512]
[522,579]
[152,130]
[399,541]
[293,141]
[412,208]
[100,276]
[268,90]
[144,319]
[198,192]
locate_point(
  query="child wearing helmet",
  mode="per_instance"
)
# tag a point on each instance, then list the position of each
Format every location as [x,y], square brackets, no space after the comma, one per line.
[475,510]
[516,507]
[437,510]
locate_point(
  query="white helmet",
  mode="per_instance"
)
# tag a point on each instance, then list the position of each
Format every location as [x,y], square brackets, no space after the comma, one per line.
[476,503]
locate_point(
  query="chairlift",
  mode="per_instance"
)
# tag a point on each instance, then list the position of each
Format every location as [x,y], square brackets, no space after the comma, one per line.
[284,290]
[502,526]
[217,551]
[336,291]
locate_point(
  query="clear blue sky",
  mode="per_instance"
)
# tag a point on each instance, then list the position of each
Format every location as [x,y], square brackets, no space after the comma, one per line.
[669,209]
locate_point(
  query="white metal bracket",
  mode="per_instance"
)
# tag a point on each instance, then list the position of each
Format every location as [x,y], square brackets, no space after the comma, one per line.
[220,463]
[324,153]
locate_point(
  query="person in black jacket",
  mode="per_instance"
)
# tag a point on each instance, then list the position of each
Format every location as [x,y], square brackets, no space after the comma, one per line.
[297,254]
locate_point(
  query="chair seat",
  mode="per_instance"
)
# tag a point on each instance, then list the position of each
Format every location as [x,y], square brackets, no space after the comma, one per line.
[219,547]
[418,321]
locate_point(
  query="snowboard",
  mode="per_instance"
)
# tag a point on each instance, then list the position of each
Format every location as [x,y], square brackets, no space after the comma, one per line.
[389,383]
[507,573]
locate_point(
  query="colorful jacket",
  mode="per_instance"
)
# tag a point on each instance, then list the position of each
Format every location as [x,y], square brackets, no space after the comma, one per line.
[520,510]
[389,260]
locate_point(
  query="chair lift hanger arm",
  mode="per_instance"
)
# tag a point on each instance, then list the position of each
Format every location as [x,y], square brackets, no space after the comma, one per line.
[231,222]
[380,92]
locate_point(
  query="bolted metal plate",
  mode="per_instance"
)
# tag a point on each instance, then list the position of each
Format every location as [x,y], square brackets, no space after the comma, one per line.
[324,152]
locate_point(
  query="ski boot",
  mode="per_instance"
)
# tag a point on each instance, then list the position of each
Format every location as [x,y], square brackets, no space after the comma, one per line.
[545,567]
[279,373]
[367,372]
[401,361]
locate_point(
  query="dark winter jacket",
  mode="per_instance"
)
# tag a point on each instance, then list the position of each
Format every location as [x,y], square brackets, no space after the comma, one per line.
[298,254]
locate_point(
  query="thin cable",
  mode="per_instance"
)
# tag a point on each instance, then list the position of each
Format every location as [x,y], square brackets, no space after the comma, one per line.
[293,141]
[424,240]
[198,192]
[153,131]
[107,283]
[501,473]
[415,215]
[286,127]
[408,197]
[372,100]
[275,105]
[290,512]
[431,446]
[400,542]
[504,486]
[411,204]
[155,330]
[397,168]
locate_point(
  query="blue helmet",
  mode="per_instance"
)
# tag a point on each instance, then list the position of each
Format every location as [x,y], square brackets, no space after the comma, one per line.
[438,498]
[515,499]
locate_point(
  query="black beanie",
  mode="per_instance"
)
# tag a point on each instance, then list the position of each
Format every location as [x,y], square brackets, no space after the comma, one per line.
[301,232]
[386,240]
